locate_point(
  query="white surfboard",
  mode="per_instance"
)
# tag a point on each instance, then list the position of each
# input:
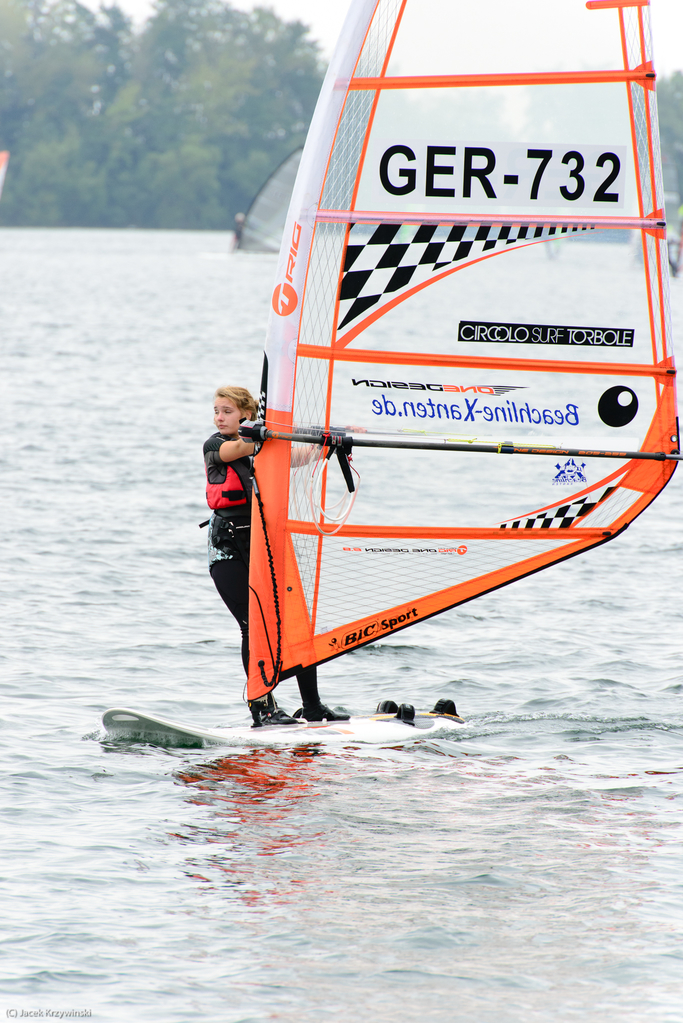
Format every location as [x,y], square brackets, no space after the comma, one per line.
[123,723]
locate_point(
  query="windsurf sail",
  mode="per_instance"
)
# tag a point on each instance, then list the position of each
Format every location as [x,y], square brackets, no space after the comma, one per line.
[502,411]
[264,222]
[4,160]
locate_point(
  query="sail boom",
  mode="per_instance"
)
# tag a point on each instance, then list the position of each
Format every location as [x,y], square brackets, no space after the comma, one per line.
[360,355]
[655,224]
[362,440]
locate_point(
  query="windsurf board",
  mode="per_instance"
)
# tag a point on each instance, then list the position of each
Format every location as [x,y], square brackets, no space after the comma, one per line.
[123,723]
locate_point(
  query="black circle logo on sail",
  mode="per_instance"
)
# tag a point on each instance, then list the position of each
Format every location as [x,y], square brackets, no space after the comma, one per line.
[618,406]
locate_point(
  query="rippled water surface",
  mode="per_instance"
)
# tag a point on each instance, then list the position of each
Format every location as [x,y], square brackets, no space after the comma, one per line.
[528,868]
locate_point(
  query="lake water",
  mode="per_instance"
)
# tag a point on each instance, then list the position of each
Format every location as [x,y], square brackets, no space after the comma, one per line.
[527,869]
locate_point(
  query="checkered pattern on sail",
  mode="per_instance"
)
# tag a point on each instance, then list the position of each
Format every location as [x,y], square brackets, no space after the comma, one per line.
[381,262]
[602,507]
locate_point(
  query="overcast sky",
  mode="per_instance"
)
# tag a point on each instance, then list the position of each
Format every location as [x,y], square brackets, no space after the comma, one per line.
[325,18]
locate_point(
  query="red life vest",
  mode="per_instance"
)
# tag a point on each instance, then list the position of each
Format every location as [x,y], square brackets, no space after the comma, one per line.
[230,494]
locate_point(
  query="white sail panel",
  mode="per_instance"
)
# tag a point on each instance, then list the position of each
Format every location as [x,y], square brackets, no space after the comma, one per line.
[565,409]
[325,139]
[493,38]
[362,577]
[382,311]
[563,149]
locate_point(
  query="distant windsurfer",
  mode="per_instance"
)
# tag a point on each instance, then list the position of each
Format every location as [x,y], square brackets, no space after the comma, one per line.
[228,492]
[239,227]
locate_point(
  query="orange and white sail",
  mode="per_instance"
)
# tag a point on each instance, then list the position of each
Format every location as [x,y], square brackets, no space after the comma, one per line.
[4,160]
[504,411]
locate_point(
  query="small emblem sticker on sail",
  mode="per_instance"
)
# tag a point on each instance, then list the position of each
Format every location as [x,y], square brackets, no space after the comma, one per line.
[618,406]
[570,474]
[285,299]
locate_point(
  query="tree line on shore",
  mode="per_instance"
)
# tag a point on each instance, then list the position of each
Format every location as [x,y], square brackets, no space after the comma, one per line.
[175,125]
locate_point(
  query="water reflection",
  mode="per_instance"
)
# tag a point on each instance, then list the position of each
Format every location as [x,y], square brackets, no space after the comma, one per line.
[407,866]
[255,809]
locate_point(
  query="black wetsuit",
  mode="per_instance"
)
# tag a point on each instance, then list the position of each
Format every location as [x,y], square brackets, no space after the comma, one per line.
[229,530]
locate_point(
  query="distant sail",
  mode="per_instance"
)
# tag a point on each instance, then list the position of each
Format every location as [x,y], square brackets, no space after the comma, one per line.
[265,219]
[445,138]
[4,160]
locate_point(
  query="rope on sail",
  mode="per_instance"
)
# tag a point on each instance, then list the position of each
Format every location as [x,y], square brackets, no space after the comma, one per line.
[277,662]
[340,511]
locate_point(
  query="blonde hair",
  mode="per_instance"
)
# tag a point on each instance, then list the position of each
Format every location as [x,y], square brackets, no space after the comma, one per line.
[240,397]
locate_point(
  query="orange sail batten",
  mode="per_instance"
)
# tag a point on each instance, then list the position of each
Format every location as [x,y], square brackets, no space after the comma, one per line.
[641,75]
[338,354]
[602,5]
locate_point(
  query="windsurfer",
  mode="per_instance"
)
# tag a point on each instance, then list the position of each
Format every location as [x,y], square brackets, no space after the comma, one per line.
[239,227]
[228,461]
